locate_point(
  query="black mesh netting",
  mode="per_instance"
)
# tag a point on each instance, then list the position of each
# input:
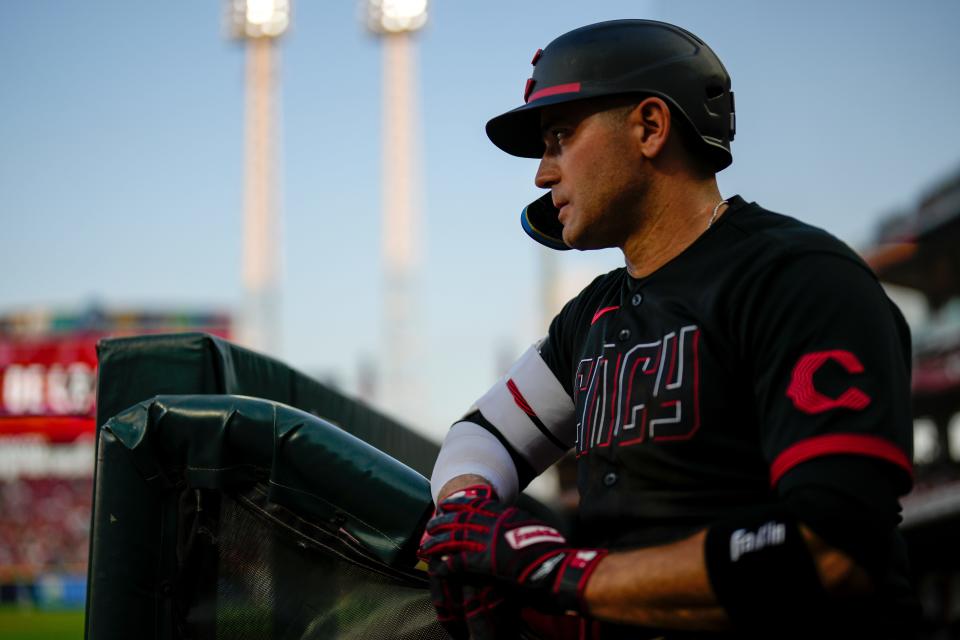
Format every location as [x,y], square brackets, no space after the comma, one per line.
[263,573]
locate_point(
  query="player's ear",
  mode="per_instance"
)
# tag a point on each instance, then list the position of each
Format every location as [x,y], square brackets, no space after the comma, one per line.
[649,123]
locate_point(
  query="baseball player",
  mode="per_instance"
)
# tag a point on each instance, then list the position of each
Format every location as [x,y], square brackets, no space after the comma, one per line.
[737,395]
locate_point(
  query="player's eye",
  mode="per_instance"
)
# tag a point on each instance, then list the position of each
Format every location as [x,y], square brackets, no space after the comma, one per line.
[556,136]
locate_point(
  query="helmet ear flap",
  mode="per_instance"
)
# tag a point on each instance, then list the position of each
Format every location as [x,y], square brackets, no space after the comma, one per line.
[539,220]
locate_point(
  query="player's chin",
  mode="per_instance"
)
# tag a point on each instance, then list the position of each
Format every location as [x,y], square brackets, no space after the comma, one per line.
[576,239]
[572,236]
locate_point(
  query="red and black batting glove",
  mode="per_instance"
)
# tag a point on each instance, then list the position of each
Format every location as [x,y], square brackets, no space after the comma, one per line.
[472,611]
[458,501]
[486,539]
[469,610]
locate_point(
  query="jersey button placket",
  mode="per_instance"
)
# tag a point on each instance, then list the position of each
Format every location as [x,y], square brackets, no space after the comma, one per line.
[610,479]
[636,299]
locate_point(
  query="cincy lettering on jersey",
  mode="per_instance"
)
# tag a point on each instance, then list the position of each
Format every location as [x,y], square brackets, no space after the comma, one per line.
[636,392]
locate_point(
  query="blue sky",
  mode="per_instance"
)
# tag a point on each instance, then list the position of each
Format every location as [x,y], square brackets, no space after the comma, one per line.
[121,156]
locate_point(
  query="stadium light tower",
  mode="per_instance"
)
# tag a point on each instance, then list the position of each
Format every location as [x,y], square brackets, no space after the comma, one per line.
[395,21]
[258,23]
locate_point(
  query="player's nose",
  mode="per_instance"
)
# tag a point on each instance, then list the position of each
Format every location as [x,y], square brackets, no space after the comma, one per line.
[547,173]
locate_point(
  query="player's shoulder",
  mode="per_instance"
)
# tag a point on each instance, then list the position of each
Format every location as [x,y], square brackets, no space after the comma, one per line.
[575,318]
[603,289]
[775,237]
[605,282]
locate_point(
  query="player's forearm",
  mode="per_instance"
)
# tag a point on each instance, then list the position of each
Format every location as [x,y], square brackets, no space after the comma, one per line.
[664,586]
[667,586]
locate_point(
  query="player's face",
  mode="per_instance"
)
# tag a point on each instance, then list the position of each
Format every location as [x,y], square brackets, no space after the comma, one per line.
[594,173]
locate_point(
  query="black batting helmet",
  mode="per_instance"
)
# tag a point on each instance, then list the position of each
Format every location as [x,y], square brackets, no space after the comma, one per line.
[620,57]
[643,57]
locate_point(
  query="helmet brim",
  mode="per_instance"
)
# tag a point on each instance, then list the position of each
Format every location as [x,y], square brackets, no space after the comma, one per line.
[517,131]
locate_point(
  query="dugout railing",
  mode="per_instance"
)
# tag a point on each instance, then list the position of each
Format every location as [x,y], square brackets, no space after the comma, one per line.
[235,497]
[225,507]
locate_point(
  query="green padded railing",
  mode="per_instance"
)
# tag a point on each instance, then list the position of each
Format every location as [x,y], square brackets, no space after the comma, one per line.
[172,424]
[156,454]
[134,369]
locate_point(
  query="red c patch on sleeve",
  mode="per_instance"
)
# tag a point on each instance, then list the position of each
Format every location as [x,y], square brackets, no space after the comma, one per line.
[805,396]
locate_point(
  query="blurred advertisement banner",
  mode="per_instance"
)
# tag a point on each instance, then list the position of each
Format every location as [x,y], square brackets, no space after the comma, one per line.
[51,377]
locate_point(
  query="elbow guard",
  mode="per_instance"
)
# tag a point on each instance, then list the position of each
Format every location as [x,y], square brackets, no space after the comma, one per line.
[764,576]
[531,412]
[471,449]
[521,426]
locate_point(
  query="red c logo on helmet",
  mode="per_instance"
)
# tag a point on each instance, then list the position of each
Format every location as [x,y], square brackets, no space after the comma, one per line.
[805,396]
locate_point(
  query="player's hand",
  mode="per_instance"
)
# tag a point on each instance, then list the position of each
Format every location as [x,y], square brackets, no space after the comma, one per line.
[458,501]
[475,611]
[476,538]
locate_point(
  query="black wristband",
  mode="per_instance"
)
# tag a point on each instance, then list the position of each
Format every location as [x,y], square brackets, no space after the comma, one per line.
[763,575]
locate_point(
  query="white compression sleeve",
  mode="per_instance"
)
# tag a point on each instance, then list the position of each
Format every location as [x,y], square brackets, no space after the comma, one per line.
[471,449]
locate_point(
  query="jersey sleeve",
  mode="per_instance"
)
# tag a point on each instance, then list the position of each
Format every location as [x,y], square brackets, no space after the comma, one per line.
[531,409]
[830,358]
[528,420]
[529,412]
[569,327]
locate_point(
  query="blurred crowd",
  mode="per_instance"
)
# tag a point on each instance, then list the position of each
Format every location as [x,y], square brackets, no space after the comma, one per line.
[44,526]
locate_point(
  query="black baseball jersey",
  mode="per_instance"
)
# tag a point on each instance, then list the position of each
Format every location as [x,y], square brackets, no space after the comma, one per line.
[700,388]
[764,363]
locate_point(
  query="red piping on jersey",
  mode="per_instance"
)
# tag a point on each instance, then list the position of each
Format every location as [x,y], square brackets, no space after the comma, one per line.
[643,428]
[838,443]
[613,403]
[696,392]
[570,87]
[519,399]
[643,416]
[600,312]
[696,381]
[673,360]
[586,386]
[588,428]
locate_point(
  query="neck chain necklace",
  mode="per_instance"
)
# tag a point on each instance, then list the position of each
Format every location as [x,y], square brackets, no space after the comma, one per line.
[713,217]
